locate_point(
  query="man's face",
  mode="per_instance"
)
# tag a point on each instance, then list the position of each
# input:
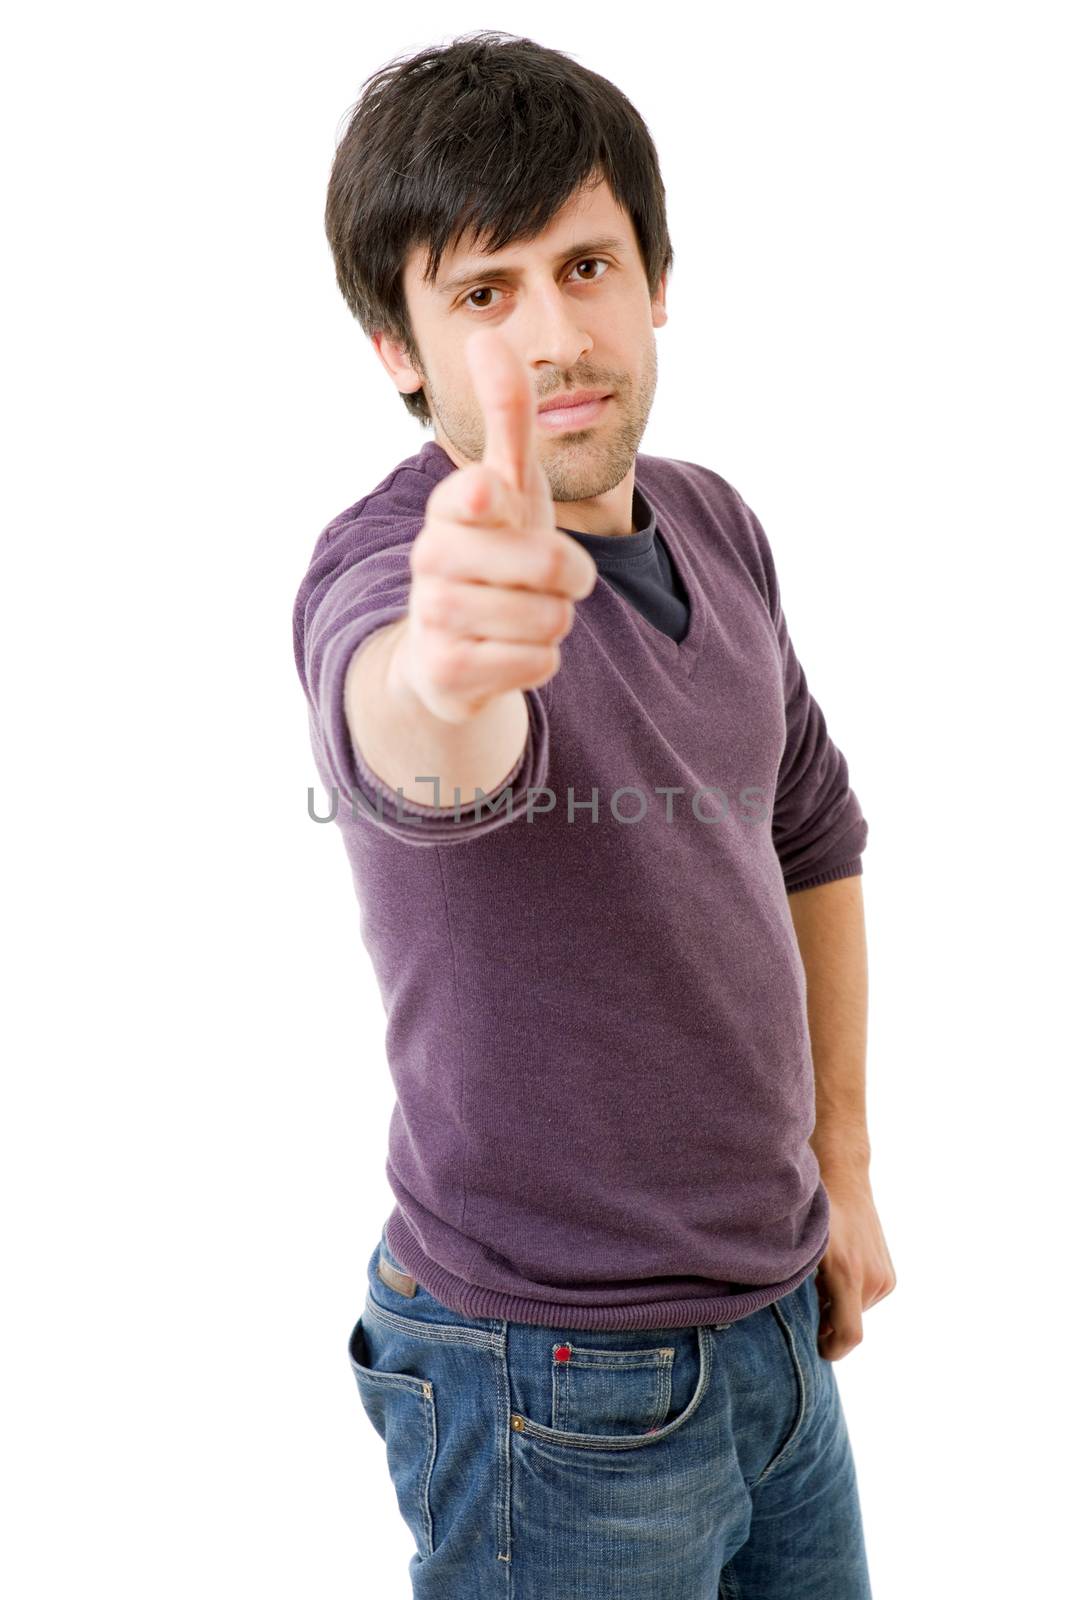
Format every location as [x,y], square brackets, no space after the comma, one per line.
[574,304]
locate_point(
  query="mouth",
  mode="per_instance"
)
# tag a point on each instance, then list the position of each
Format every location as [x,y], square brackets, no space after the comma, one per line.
[562,415]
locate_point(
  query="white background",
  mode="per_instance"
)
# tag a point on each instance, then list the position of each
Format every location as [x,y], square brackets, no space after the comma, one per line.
[865,337]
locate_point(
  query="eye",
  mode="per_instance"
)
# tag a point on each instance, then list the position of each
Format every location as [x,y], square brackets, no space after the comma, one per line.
[584,262]
[466,297]
[591,261]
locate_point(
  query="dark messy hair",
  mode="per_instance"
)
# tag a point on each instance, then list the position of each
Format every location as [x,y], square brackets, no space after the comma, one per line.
[491,132]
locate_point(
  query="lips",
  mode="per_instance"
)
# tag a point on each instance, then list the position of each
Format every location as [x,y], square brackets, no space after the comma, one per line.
[563,419]
[575,397]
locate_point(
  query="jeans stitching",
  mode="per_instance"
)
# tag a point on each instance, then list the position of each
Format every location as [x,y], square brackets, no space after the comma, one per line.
[442,1332]
[503,1457]
[431,1457]
[793,1437]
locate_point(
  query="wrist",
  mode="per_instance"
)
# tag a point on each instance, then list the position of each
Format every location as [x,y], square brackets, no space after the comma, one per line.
[843,1158]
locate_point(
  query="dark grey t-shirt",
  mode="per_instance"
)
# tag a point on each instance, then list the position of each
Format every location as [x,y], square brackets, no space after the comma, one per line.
[638,566]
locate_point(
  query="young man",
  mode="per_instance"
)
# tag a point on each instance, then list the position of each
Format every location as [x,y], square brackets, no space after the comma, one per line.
[609,863]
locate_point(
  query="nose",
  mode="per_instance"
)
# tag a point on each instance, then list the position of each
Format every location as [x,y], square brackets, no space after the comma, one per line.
[554,335]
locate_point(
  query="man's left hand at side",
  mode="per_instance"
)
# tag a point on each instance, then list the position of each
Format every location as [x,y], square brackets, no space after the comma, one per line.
[856,1271]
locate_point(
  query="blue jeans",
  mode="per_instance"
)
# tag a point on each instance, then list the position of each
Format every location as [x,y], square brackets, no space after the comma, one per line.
[537,1463]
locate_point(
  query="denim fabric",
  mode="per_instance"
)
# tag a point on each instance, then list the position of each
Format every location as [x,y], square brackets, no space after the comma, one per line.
[536,1463]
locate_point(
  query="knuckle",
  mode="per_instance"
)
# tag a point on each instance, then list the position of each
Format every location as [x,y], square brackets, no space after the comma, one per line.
[548,563]
[555,618]
[550,657]
[563,618]
[438,606]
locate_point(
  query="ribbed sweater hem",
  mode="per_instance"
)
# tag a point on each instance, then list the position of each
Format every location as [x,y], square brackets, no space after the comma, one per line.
[470,1300]
[847,869]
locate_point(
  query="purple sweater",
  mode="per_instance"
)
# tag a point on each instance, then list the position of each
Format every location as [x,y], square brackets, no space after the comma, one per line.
[597,1028]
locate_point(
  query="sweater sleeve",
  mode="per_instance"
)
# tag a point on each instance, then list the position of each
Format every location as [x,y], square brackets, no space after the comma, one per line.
[352,588]
[818,827]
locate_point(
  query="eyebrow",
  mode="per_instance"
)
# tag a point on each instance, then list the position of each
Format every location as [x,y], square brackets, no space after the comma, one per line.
[478,275]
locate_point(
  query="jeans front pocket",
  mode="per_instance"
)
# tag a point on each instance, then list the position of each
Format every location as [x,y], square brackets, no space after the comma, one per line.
[610,1391]
[402,1409]
[616,1399]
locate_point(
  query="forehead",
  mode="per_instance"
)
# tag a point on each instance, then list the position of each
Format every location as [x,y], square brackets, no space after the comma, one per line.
[587,214]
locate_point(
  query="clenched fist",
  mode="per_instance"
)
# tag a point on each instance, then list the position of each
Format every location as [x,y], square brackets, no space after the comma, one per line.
[493,580]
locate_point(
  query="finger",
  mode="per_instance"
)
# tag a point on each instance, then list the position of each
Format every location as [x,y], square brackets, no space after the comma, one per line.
[473,663]
[482,611]
[474,496]
[505,392]
[550,563]
[841,1325]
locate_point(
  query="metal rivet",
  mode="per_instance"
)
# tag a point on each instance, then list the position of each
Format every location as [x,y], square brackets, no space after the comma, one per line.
[426,1389]
[518,1424]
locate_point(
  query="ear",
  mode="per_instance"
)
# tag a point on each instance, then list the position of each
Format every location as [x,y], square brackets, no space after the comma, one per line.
[394,359]
[659,303]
